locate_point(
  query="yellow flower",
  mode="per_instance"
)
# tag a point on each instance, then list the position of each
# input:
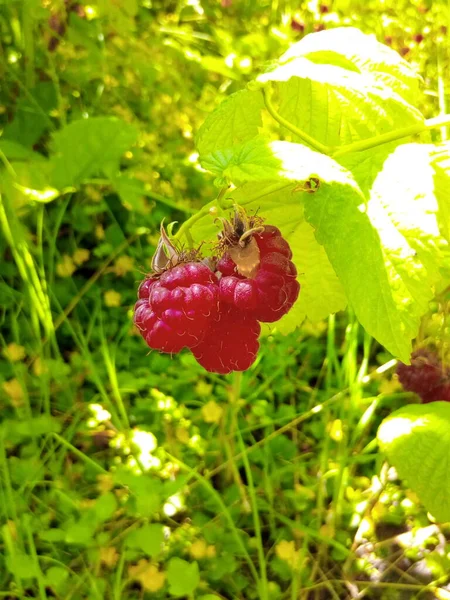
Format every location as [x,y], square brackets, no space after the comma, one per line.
[80,256]
[198,549]
[148,575]
[99,232]
[39,367]
[389,386]
[105,483]
[212,412]
[14,390]
[211,551]
[182,435]
[286,551]
[109,556]
[93,193]
[14,352]
[66,267]
[123,265]
[112,298]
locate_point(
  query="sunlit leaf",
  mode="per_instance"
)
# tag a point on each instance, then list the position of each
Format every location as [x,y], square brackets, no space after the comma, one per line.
[416,439]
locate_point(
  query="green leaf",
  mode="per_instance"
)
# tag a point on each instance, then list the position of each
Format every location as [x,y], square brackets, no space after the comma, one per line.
[21,565]
[79,534]
[440,162]
[56,577]
[31,182]
[89,147]
[183,577]
[236,120]
[374,264]
[16,431]
[405,189]
[31,118]
[336,104]
[351,49]
[104,507]
[262,160]
[416,439]
[149,539]
[52,535]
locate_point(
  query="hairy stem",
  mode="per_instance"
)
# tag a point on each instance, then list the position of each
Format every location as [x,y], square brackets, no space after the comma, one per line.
[187,225]
[361,145]
[298,132]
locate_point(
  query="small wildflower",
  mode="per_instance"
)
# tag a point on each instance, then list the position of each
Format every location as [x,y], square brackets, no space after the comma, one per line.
[149,576]
[66,267]
[14,352]
[286,551]
[112,298]
[80,256]
[109,556]
[123,265]
[212,412]
[14,390]
[99,232]
[105,483]
[198,549]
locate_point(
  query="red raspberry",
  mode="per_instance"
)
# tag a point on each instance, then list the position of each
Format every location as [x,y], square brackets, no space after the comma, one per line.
[274,289]
[231,343]
[425,376]
[174,311]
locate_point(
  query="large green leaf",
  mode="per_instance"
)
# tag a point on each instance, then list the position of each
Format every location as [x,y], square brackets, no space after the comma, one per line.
[342,86]
[351,49]
[236,120]
[440,162]
[89,147]
[416,439]
[261,160]
[182,577]
[405,188]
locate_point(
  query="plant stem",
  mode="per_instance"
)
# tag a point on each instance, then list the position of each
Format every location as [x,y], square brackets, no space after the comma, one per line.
[251,490]
[391,136]
[187,225]
[298,132]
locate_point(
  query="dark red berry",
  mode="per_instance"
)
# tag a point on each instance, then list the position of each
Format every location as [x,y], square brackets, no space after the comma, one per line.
[425,376]
[297,26]
[174,310]
[271,293]
[231,343]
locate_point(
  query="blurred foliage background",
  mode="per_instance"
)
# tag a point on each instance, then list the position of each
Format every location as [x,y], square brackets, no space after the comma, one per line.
[128,474]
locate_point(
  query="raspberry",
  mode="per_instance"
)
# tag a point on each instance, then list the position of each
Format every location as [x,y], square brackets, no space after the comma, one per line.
[174,310]
[231,343]
[271,293]
[425,376]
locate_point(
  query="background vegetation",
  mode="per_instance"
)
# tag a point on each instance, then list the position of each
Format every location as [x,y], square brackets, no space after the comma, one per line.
[125,474]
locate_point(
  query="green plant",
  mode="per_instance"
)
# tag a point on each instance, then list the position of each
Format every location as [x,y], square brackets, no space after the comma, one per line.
[367,208]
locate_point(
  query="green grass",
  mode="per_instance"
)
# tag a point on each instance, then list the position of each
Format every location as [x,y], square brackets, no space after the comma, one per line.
[277,496]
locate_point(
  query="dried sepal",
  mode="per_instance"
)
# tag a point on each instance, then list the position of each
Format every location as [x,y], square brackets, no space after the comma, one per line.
[167,255]
[237,238]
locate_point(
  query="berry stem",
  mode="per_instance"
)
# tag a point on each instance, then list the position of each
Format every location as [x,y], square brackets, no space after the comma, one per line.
[187,225]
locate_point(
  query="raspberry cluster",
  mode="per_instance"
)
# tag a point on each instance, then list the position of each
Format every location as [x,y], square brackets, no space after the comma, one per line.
[214,308]
[425,376]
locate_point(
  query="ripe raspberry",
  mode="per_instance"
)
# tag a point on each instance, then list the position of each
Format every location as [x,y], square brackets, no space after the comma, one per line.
[271,293]
[174,310]
[231,343]
[425,376]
